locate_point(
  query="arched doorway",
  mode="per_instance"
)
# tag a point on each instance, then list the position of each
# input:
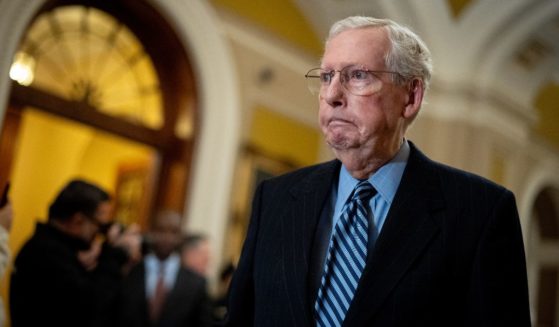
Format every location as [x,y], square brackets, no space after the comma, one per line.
[543,256]
[218,135]
[116,67]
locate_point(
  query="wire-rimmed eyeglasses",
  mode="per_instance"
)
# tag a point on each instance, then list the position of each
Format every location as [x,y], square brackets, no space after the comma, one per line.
[356,80]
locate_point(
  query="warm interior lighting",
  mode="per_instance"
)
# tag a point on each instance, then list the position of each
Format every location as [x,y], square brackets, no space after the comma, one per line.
[22,70]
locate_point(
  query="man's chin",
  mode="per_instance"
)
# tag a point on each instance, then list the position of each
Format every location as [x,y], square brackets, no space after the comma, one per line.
[340,143]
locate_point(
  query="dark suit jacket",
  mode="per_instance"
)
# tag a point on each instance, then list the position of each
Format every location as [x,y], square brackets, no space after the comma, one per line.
[187,304]
[50,287]
[450,253]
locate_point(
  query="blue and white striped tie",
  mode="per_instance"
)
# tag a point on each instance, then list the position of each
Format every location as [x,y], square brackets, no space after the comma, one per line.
[345,261]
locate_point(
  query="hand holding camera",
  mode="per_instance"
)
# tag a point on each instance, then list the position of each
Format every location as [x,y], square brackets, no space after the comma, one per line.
[127,238]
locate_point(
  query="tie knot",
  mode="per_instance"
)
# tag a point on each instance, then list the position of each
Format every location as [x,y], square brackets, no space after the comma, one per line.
[364,191]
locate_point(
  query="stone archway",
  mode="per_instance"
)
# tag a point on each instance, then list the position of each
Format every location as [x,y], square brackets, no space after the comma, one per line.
[543,257]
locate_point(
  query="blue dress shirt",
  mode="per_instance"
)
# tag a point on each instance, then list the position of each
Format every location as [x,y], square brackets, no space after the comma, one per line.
[153,266]
[385,180]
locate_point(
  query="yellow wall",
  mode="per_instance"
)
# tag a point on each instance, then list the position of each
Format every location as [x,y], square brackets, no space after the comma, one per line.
[49,152]
[498,168]
[280,17]
[547,105]
[283,137]
[103,155]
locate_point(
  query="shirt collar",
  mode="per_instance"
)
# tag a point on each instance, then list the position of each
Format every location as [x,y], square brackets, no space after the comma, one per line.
[169,264]
[385,180]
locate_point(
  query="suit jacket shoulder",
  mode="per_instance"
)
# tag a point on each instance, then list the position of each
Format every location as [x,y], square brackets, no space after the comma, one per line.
[451,245]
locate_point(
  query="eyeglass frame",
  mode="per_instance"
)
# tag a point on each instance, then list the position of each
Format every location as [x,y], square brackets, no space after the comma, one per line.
[343,81]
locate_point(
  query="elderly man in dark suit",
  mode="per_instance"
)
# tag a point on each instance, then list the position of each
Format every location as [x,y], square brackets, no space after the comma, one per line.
[160,291]
[382,236]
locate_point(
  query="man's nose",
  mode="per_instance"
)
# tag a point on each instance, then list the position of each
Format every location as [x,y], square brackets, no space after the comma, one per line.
[334,93]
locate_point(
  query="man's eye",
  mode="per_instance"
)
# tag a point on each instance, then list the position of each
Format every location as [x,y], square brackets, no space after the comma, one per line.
[359,74]
[325,77]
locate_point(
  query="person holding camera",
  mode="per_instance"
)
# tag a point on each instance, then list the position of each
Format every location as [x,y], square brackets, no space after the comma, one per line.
[63,275]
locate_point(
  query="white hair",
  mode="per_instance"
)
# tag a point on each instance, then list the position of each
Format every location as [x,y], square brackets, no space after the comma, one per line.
[408,55]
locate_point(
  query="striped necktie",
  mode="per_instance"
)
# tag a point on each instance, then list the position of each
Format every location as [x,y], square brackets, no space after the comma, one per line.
[345,261]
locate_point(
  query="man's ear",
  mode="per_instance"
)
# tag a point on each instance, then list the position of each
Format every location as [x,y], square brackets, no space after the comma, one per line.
[415,98]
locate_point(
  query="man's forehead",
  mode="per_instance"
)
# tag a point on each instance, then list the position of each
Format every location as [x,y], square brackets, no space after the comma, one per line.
[363,34]
[360,46]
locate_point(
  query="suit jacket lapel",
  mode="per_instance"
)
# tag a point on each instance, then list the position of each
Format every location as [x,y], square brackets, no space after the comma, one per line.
[300,222]
[410,225]
[140,293]
[174,306]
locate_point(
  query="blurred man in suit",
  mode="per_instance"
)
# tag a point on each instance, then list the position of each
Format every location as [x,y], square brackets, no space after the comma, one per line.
[381,236]
[160,291]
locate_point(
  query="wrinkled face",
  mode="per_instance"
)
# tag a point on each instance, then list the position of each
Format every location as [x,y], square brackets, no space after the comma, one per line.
[373,122]
[166,234]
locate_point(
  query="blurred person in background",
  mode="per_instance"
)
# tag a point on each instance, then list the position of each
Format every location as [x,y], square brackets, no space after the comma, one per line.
[160,291]
[6,216]
[220,302]
[195,253]
[63,276]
